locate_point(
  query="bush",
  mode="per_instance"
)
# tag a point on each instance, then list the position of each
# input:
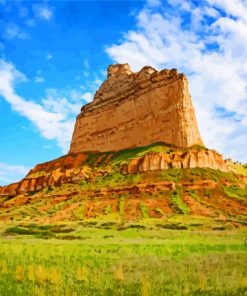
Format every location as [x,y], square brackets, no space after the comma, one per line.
[235,192]
[172,226]
[177,203]
[20,230]
[46,235]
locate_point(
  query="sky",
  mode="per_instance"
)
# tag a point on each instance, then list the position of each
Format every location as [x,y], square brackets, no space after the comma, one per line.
[54,56]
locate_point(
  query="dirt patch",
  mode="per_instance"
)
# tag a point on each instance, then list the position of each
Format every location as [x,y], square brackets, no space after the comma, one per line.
[196,208]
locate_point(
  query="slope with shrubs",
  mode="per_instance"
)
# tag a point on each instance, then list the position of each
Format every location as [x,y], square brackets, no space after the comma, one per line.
[106,193]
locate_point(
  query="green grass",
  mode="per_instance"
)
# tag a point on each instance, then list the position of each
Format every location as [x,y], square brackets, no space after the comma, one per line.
[235,192]
[122,206]
[116,179]
[144,210]
[127,154]
[240,169]
[134,261]
[177,202]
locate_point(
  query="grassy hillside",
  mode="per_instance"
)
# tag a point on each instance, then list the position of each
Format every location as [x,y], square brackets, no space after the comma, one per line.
[163,232]
[107,194]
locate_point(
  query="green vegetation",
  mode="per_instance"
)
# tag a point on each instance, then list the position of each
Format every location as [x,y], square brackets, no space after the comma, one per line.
[177,202]
[75,201]
[235,192]
[127,154]
[124,155]
[122,206]
[239,168]
[132,261]
[144,210]
[116,179]
[136,234]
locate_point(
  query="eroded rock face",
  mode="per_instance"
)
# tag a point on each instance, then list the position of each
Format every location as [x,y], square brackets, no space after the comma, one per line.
[161,161]
[65,169]
[75,168]
[137,109]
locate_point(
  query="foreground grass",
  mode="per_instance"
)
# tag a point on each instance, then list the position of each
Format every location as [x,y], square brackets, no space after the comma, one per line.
[128,262]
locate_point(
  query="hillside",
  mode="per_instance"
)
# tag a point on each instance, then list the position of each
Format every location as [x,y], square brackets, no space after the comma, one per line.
[132,185]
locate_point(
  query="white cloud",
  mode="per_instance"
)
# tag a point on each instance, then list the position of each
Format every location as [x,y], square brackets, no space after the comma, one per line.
[30,23]
[154,3]
[54,117]
[88,97]
[85,73]
[237,8]
[86,64]
[56,102]
[39,79]
[11,172]
[49,56]
[211,49]
[97,82]
[42,11]
[13,31]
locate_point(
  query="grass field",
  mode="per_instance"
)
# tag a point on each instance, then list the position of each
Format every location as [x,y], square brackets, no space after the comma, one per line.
[169,232]
[75,259]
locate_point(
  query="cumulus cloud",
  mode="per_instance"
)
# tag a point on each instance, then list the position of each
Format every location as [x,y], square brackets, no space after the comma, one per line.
[9,172]
[86,63]
[13,31]
[42,11]
[88,97]
[49,56]
[154,3]
[54,117]
[209,43]
[39,79]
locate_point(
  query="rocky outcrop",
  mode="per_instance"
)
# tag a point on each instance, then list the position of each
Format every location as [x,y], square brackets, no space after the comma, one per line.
[69,168]
[137,109]
[74,168]
[190,159]
[56,177]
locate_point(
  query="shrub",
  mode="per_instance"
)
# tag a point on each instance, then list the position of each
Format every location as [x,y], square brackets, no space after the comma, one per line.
[144,210]
[172,226]
[177,203]
[235,192]
[20,230]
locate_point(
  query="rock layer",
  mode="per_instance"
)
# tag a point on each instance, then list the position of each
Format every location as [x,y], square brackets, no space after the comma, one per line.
[75,168]
[161,161]
[137,109]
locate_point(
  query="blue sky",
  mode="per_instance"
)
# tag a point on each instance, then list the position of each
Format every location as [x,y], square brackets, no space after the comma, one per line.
[54,54]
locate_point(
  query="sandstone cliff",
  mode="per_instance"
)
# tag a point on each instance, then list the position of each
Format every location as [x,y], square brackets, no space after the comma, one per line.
[137,109]
[162,161]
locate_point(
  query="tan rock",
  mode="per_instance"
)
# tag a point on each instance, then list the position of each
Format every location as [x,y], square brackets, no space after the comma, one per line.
[191,159]
[137,109]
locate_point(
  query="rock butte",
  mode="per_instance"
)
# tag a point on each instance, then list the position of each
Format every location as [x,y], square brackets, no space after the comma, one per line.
[129,110]
[137,109]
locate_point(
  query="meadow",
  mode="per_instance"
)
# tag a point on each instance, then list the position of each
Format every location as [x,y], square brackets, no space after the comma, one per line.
[76,259]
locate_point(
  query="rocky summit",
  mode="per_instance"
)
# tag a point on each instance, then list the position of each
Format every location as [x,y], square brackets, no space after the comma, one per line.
[137,109]
[136,153]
